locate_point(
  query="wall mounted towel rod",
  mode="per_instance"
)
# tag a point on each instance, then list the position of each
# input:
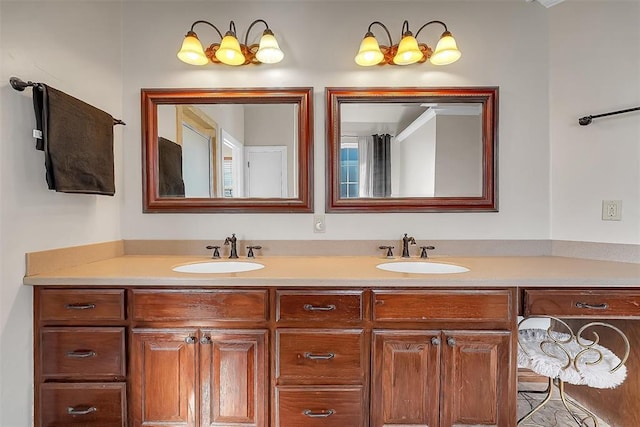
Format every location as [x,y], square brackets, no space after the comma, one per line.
[588,119]
[20,85]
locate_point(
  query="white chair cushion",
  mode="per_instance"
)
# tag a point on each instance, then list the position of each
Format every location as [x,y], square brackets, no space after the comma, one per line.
[598,375]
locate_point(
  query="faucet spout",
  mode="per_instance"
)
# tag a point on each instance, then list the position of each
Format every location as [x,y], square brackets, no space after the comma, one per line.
[233,240]
[406,241]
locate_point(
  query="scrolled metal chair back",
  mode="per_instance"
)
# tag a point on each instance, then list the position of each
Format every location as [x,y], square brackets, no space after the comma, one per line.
[588,346]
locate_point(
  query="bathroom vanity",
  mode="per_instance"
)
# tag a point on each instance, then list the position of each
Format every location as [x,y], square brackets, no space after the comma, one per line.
[129,342]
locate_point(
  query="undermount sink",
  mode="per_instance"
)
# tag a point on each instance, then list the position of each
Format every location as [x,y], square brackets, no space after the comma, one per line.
[219,267]
[421,267]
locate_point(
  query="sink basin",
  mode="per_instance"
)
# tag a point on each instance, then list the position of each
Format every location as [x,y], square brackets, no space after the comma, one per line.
[218,267]
[421,267]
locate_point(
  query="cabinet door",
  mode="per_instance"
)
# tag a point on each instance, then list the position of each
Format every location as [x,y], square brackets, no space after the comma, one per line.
[405,378]
[233,382]
[476,385]
[163,375]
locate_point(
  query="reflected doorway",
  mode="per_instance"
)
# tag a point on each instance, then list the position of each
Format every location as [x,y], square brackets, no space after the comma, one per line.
[266,171]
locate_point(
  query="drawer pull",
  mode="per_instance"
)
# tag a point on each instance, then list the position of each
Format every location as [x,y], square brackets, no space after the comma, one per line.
[312,356]
[80,306]
[320,414]
[85,411]
[310,307]
[602,306]
[81,354]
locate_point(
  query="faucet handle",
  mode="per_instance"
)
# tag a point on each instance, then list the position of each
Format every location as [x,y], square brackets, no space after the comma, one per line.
[424,249]
[389,250]
[250,250]
[216,251]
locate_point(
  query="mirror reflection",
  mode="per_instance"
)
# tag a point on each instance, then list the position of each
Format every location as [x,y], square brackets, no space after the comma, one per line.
[412,149]
[227,150]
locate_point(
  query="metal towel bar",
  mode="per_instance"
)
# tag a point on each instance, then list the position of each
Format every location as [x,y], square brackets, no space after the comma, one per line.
[588,119]
[20,85]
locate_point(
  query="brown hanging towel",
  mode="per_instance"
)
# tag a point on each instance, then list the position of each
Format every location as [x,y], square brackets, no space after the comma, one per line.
[77,140]
[170,180]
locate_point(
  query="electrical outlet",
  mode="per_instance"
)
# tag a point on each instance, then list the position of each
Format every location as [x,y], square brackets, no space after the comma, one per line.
[319,225]
[612,210]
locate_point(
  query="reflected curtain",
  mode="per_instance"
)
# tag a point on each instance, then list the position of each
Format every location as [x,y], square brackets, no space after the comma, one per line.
[374,154]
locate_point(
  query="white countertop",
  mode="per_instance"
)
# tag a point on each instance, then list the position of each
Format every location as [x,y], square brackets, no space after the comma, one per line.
[346,271]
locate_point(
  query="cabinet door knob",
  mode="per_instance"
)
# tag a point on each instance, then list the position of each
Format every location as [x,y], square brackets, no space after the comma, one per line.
[602,306]
[451,341]
[81,411]
[311,307]
[79,306]
[205,340]
[312,356]
[190,340]
[81,354]
[435,341]
[318,414]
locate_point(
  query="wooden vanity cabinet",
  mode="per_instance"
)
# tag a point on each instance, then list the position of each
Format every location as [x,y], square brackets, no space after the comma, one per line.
[80,357]
[279,357]
[199,376]
[321,359]
[427,375]
[204,377]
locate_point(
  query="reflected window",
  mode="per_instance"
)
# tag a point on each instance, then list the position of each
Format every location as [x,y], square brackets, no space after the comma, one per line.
[349,184]
[227,177]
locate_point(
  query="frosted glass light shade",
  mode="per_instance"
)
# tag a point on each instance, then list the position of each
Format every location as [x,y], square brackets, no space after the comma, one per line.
[369,53]
[408,51]
[269,52]
[191,51]
[229,51]
[446,50]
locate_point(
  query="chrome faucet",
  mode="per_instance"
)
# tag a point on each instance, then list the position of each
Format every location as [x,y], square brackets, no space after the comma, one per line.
[234,248]
[406,241]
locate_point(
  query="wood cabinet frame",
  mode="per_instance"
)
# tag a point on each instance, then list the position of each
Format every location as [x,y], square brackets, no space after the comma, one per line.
[359,305]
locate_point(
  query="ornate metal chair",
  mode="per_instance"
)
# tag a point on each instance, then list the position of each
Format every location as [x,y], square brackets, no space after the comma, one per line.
[565,357]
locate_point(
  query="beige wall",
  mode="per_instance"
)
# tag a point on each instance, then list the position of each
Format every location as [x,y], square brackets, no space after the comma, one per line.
[519,67]
[74,47]
[594,67]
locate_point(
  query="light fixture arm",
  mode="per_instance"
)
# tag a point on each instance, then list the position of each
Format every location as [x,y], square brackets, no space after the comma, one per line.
[429,23]
[246,37]
[385,29]
[208,23]
[232,28]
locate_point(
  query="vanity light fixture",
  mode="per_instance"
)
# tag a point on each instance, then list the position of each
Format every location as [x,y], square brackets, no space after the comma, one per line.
[229,51]
[408,51]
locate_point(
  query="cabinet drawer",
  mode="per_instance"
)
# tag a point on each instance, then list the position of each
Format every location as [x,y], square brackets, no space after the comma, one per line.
[582,302]
[248,305]
[82,405]
[82,353]
[320,356]
[81,305]
[416,306]
[319,306]
[319,406]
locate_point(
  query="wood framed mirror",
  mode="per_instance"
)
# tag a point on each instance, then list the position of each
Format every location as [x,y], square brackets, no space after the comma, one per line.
[227,150]
[412,149]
